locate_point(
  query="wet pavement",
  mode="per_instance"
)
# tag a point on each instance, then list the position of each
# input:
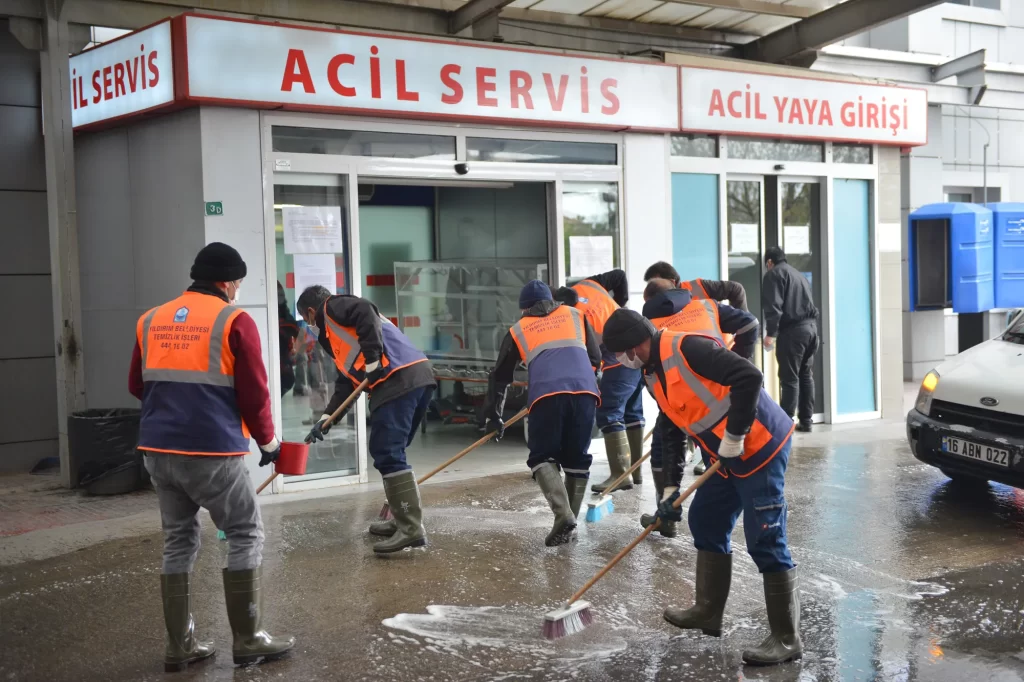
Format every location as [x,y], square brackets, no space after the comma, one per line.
[905,576]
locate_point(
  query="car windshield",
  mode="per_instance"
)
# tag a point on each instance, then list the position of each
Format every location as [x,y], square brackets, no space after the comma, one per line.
[1015,332]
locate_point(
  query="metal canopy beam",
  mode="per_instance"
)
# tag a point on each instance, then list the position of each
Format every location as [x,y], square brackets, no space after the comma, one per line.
[755,6]
[474,11]
[955,67]
[830,26]
[554,20]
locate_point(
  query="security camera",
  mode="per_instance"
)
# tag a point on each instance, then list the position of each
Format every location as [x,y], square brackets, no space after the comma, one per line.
[462,168]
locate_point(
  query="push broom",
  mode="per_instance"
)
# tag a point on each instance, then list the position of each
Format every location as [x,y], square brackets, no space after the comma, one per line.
[330,420]
[603,505]
[385,511]
[576,613]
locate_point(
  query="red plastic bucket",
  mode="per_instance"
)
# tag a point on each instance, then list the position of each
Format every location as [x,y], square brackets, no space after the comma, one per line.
[292,460]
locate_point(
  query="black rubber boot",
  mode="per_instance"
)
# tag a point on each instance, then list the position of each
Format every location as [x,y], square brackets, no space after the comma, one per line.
[404,499]
[714,576]
[666,528]
[576,489]
[616,446]
[182,646]
[635,436]
[251,643]
[550,482]
[783,602]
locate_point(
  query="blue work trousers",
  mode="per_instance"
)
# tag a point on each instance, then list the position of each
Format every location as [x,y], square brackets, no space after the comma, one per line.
[559,431]
[393,425]
[717,505]
[622,405]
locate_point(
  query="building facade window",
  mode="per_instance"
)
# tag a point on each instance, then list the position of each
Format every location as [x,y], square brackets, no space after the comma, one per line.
[540,151]
[705,146]
[851,153]
[294,140]
[775,150]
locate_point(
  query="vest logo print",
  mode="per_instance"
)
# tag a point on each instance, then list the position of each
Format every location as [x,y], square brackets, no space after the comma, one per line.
[584,300]
[181,314]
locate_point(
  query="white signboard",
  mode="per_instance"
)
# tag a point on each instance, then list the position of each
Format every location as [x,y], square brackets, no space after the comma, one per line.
[312,229]
[312,269]
[125,76]
[590,255]
[273,65]
[718,101]
[796,239]
[745,238]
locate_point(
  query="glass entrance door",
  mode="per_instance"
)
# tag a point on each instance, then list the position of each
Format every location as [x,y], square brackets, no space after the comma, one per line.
[771,211]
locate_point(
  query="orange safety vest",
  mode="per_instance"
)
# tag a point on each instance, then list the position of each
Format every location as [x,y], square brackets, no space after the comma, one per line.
[700,407]
[554,348]
[188,372]
[348,356]
[695,287]
[699,316]
[597,305]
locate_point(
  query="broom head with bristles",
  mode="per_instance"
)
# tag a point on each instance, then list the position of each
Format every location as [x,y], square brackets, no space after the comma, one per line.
[385,513]
[568,620]
[599,508]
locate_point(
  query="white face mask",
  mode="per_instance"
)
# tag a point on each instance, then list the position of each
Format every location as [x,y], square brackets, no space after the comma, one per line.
[632,363]
[238,294]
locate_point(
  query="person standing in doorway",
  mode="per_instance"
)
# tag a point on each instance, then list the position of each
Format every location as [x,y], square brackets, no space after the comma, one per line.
[366,345]
[791,329]
[621,414]
[198,369]
[562,356]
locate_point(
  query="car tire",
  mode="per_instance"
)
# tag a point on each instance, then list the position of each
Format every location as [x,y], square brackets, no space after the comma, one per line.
[964,480]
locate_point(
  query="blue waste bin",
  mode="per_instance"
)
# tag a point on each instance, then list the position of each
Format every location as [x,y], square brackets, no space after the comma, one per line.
[951,258]
[1008,222]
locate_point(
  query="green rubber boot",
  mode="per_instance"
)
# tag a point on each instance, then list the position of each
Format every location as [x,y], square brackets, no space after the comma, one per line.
[182,646]
[576,488]
[384,528]
[666,528]
[783,602]
[714,575]
[551,485]
[404,499]
[616,446]
[244,597]
[635,436]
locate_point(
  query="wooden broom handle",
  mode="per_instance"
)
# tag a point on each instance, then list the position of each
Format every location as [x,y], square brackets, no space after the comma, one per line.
[631,469]
[647,531]
[330,420]
[472,447]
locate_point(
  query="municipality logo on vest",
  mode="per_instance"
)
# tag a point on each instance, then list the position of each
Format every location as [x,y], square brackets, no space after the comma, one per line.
[181,315]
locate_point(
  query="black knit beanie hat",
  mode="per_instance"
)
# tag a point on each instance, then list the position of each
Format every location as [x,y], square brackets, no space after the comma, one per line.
[218,262]
[626,329]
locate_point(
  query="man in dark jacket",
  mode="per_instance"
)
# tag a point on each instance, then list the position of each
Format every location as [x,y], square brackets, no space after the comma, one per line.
[365,345]
[713,289]
[791,317]
[562,355]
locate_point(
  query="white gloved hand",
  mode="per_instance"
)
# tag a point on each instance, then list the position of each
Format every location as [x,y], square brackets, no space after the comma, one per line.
[370,366]
[668,492]
[732,446]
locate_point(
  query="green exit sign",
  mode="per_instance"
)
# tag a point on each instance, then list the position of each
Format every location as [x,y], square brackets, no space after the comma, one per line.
[214,208]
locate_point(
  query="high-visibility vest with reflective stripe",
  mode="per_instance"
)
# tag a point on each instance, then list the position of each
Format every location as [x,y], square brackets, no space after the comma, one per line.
[699,316]
[554,348]
[700,407]
[188,372]
[695,287]
[348,357]
[597,305]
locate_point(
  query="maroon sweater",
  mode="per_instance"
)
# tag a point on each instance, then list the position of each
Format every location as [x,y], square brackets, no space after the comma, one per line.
[251,390]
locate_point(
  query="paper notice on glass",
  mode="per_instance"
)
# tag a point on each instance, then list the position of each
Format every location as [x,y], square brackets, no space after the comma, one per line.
[312,269]
[745,238]
[797,239]
[590,255]
[312,229]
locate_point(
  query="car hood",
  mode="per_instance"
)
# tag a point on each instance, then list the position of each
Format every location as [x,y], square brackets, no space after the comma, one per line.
[994,369]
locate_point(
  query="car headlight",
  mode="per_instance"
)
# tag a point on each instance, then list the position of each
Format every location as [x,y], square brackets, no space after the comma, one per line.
[924,396]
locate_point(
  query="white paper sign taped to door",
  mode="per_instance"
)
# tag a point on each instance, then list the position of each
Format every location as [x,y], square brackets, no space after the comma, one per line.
[796,239]
[312,229]
[590,255]
[312,269]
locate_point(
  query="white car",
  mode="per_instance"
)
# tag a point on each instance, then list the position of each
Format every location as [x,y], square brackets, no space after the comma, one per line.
[969,416]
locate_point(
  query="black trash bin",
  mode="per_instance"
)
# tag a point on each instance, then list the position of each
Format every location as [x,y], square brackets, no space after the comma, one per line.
[103,451]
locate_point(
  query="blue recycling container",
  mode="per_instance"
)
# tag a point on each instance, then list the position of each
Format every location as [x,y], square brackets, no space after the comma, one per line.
[1008,221]
[951,258]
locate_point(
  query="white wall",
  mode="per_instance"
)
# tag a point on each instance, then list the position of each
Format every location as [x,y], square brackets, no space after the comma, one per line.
[648,207]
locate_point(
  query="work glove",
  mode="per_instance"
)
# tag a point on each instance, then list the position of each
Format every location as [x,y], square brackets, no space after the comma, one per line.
[319,429]
[270,452]
[374,372]
[666,512]
[730,449]
[496,426]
